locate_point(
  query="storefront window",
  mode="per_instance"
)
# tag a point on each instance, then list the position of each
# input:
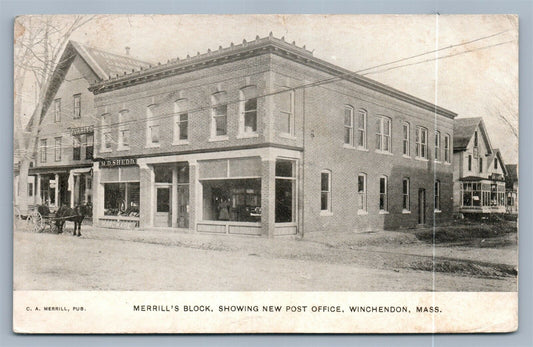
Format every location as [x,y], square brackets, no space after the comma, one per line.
[236,200]
[121,199]
[285,179]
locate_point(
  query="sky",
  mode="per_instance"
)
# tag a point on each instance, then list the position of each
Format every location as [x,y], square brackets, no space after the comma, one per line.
[472,79]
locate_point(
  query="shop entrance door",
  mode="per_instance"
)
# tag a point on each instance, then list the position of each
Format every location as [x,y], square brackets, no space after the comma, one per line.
[163,210]
[421,206]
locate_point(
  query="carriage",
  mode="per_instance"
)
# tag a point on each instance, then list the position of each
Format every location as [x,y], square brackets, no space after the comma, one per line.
[39,220]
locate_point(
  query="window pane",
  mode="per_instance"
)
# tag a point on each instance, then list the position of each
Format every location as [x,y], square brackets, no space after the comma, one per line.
[324,182]
[163,174]
[163,199]
[220,124]
[361,184]
[232,200]
[324,201]
[183,173]
[250,105]
[184,126]
[284,200]
[348,117]
[382,185]
[250,121]
[154,133]
[284,168]
[347,135]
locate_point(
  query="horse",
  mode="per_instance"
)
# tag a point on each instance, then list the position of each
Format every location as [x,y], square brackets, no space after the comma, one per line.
[75,215]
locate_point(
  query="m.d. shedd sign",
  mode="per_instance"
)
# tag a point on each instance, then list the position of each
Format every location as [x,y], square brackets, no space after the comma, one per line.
[118,162]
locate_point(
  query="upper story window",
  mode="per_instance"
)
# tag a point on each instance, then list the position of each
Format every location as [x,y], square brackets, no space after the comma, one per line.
[57,110]
[105,133]
[325,191]
[76,147]
[124,130]
[43,149]
[89,146]
[406,203]
[57,151]
[383,194]
[480,164]
[361,192]
[437,195]
[437,145]
[219,113]
[470,162]
[248,110]
[152,127]
[383,134]
[421,142]
[495,163]
[406,132]
[181,122]
[285,119]
[475,139]
[447,148]
[348,125]
[361,129]
[77,105]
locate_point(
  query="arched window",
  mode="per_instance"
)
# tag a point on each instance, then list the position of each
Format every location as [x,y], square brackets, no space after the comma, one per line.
[219,115]
[383,194]
[248,110]
[383,134]
[325,191]
[406,142]
[361,129]
[406,192]
[124,130]
[361,192]
[348,125]
[284,101]
[437,195]
[152,127]
[181,122]
[437,145]
[421,142]
[105,132]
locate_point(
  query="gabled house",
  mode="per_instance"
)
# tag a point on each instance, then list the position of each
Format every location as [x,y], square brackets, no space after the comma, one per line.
[511,187]
[62,166]
[479,170]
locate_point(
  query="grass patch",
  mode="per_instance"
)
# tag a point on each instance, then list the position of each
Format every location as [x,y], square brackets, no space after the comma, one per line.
[464,268]
[458,233]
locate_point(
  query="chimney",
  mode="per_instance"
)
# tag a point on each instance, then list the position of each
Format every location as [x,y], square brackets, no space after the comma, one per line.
[127,50]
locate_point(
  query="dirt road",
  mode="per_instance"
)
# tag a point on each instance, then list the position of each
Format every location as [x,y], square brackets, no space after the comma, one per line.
[125,260]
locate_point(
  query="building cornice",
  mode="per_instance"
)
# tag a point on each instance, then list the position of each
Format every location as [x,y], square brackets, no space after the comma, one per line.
[267,45]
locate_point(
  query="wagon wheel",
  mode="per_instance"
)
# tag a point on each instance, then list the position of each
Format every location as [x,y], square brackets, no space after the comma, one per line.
[36,221]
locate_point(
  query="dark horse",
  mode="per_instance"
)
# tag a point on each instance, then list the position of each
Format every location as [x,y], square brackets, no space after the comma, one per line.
[76,215]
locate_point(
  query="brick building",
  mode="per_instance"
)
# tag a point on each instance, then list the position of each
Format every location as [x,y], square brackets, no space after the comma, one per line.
[262,138]
[479,170]
[62,170]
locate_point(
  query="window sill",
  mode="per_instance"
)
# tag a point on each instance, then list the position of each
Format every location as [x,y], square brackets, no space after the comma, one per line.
[218,138]
[247,135]
[447,163]
[287,136]
[406,156]
[406,212]
[383,152]
[157,145]
[326,213]
[363,149]
[437,211]
[180,143]
[122,149]
[383,212]
[421,159]
[362,213]
[437,161]
[348,146]
[107,150]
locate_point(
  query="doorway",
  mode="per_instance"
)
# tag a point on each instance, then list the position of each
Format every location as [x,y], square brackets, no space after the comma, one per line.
[163,214]
[421,206]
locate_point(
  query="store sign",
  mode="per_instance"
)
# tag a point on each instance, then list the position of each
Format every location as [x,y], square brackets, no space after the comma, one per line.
[82,130]
[118,162]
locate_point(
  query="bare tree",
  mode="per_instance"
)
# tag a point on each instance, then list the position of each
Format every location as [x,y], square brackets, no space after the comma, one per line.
[38,45]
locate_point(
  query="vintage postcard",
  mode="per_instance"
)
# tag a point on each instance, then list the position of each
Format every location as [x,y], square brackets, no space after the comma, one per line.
[265,173]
